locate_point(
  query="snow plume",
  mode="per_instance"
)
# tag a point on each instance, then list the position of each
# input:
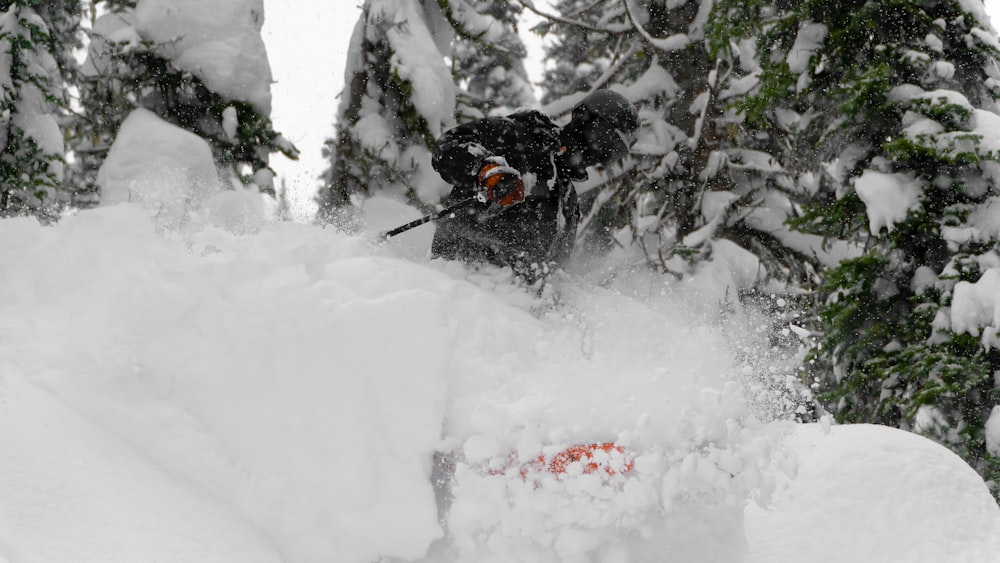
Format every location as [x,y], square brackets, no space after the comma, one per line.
[600,372]
[281,394]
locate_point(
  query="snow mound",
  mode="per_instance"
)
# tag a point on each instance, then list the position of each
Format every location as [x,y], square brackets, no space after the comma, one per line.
[72,491]
[875,494]
[261,379]
[165,168]
[292,393]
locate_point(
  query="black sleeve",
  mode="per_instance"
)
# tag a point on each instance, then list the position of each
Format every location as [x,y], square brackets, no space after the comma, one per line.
[459,152]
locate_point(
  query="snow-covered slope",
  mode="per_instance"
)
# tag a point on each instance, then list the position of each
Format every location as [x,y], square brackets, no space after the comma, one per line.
[196,395]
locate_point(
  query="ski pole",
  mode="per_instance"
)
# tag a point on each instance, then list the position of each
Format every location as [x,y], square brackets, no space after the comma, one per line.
[428,218]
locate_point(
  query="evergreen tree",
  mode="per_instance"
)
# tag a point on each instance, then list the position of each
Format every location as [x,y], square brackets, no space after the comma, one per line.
[36,39]
[398,97]
[694,190]
[487,58]
[129,66]
[401,94]
[893,108]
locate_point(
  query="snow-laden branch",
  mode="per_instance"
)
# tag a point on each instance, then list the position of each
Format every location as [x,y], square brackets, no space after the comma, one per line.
[612,70]
[565,104]
[669,44]
[530,5]
[464,32]
[675,42]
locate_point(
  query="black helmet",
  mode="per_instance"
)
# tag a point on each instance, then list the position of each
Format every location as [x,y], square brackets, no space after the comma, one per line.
[602,129]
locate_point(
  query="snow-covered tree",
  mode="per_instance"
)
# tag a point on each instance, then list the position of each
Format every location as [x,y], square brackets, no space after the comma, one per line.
[893,109]
[414,69]
[694,190]
[487,58]
[202,67]
[36,39]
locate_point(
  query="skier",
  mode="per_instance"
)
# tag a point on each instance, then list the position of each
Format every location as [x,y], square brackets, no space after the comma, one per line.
[517,172]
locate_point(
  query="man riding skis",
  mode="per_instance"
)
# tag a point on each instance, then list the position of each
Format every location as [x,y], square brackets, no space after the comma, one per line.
[518,171]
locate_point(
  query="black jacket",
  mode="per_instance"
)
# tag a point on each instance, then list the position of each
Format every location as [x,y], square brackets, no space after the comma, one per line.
[530,236]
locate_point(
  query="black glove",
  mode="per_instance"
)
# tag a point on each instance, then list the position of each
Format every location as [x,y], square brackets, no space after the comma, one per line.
[500,183]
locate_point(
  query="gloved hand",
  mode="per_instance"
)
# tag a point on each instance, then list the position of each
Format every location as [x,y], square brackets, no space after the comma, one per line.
[500,183]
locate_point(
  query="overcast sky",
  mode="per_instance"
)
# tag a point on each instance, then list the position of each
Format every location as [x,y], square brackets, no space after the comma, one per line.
[306,44]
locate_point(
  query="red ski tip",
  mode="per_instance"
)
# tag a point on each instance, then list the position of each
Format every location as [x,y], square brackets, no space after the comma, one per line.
[607,457]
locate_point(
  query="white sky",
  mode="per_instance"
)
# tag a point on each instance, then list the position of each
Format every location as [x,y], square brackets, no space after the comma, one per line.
[307,44]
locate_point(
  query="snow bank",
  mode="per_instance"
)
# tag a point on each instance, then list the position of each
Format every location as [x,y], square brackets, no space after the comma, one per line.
[171,172]
[163,167]
[72,491]
[876,494]
[302,387]
[198,395]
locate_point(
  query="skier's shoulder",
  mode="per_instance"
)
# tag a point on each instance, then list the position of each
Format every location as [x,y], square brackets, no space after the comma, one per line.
[532,119]
[487,130]
[536,133]
[523,121]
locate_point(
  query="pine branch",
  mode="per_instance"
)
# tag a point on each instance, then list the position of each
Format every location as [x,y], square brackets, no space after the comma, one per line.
[530,5]
[670,44]
[612,70]
[463,32]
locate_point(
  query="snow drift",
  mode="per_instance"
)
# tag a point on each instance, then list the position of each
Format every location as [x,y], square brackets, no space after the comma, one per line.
[187,393]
